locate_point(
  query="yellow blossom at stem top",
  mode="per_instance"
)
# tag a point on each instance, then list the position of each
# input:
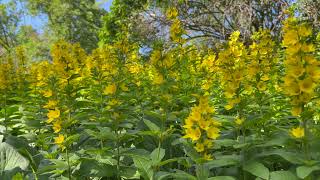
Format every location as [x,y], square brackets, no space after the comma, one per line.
[297,132]
[110,89]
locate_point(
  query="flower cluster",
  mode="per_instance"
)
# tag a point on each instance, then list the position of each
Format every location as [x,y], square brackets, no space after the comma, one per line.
[201,127]
[301,67]
[232,67]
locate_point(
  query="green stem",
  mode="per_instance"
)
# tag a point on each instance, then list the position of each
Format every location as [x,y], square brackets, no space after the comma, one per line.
[68,161]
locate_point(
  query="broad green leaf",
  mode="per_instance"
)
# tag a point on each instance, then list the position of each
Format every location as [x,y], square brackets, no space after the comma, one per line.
[157,155]
[257,169]
[144,167]
[202,172]
[282,175]
[92,168]
[152,126]
[293,158]
[11,161]
[305,171]
[222,178]
[223,161]
[161,175]
[10,158]
[181,175]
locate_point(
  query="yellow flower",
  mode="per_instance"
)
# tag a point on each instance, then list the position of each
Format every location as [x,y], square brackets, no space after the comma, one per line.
[113,102]
[53,114]
[306,85]
[207,157]
[296,110]
[265,78]
[57,126]
[204,124]
[199,147]
[239,121]
[47,93]
[193,133]
[172,13]
[229,106]
[110,89]
[296,71]
[213,132]
[208,143]
[262,86]
[158,79]
[293,89]
[124,87]
[313,72]
[59,141]
[297,132]
[308,48]
[51,104]
[304,31]
[290,38]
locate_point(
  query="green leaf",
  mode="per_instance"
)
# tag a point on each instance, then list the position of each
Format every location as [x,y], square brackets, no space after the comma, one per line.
[144,167]
[152,126]
[293,158]
[223,161]
[157,155]
[11,161]
[181,175]
[257,169]
[10,158]
[162,175]
[222,178]
[92,168]
[282,175]
[202,172]
[305,171]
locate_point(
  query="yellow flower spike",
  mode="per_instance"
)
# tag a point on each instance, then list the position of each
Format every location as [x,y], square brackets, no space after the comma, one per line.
[199,147]
[213,132]
[110,89]
[53,114]
[297,132]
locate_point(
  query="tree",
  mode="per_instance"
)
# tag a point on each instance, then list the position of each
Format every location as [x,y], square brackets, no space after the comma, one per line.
[72,20]
[9,19]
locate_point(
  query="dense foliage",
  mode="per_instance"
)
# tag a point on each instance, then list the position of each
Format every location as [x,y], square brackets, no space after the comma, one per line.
[244,108]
